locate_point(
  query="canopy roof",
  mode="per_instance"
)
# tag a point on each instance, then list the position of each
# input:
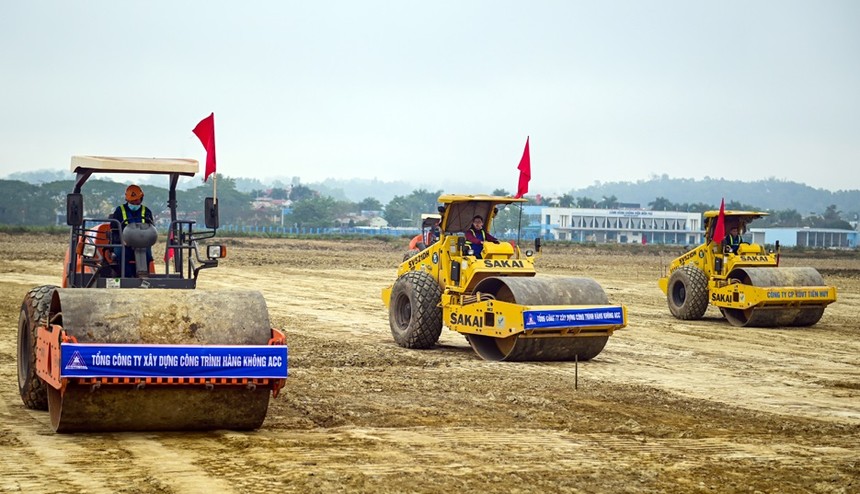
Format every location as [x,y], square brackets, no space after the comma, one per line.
[107,164]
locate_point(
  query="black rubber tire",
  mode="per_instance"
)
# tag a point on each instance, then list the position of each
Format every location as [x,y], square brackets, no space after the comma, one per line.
[408,254]
[36,305]
[687,293]
[415,312]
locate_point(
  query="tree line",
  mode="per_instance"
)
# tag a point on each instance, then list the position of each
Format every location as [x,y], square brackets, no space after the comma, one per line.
[23,203]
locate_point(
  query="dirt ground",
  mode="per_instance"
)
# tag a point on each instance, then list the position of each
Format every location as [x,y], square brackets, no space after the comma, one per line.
[669,406]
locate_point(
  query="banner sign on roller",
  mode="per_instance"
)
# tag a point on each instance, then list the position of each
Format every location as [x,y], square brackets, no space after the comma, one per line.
[174,361]
[573,318]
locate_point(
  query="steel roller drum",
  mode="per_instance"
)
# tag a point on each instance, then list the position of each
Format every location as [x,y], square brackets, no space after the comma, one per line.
[534,292]
[177,317]
[771,316]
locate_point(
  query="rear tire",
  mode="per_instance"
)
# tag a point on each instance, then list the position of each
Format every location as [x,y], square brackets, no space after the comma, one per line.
[687,293]
[35,308]
[415,312]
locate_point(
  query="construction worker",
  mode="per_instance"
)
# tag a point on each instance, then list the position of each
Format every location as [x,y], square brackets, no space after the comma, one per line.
[476,236]
[734,239]
[433,233]
[133,211]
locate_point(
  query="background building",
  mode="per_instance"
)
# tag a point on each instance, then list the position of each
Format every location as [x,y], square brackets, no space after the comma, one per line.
[806,237]
[615,225]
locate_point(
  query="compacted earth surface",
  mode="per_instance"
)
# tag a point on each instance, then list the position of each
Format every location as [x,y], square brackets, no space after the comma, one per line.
[668,406]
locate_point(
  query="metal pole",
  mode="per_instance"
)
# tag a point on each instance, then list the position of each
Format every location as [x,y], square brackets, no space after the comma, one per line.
[519,227]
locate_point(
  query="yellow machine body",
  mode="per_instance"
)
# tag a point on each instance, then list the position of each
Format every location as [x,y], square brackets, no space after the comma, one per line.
[497,301]
[748,286]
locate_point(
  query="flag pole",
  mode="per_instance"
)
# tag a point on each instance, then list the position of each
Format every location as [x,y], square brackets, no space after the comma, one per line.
[519,228]
[525,168]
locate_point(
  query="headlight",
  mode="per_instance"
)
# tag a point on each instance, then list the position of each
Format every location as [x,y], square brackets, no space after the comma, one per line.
[216,251]
[89,250]
[529,253]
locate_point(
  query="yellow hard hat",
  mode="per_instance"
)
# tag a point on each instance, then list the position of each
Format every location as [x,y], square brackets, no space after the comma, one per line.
[133,193]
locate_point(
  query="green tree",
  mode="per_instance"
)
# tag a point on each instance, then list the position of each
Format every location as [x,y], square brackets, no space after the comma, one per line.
[20,204]
[832,214]
[369,204]
[507,220]
[785,217]
[790,217]
[314,212]
[300,193]
[586,202]
[279,194]
[501,192]
[406,210]
[739,206]
[234,207]
[697,207]
[566,201]
[832,218]
[608,202]
[662,204]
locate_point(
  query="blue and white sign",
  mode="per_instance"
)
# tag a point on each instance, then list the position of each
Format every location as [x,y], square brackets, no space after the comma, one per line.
[573,318]
[178,361]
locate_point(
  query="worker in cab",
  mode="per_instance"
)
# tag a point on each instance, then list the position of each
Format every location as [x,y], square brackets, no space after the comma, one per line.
[733,240]
[133,211]
[433,233]
[476,236]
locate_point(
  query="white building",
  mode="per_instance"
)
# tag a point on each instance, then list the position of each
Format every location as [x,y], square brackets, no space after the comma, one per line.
[618,225]
[821,238]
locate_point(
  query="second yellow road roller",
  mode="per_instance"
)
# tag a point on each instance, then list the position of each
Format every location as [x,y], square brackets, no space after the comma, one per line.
[493,295]
[743,279]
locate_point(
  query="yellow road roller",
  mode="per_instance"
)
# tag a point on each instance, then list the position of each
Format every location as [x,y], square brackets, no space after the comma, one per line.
[744,280]
[494,297]
[142,350]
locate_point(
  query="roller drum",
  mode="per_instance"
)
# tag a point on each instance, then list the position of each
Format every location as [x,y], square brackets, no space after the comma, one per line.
[536,292]
[164,317]
[774,316]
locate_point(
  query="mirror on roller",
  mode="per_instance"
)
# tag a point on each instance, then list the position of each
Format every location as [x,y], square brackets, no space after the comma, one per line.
[210,212]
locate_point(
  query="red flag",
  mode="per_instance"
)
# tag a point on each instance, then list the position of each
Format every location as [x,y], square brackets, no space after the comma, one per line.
[525,168]
[205,131]
[720,228]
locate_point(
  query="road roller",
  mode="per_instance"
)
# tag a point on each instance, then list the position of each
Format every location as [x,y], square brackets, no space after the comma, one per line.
[105,351]
[743,279]
[495,298]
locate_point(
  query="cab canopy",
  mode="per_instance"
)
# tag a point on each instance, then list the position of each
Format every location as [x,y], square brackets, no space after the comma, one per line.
[458,210]
[106,164]
[739,219]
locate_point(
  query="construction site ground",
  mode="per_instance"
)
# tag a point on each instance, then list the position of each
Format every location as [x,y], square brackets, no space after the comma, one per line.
[669,406]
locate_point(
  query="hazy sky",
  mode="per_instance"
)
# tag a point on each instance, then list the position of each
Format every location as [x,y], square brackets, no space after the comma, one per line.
[401,90]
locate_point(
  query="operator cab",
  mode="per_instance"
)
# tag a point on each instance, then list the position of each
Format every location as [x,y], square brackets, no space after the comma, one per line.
[738,219]
[89,261]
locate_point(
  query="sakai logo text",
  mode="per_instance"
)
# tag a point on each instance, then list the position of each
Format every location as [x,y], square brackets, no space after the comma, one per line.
[418,258]
[466,320]
[493,263]
[754,258]
[720,297]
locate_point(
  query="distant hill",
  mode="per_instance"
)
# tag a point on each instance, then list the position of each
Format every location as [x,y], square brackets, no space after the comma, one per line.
[771,194]
[41,176]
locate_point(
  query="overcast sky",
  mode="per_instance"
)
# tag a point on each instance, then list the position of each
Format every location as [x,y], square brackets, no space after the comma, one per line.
[401,90]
